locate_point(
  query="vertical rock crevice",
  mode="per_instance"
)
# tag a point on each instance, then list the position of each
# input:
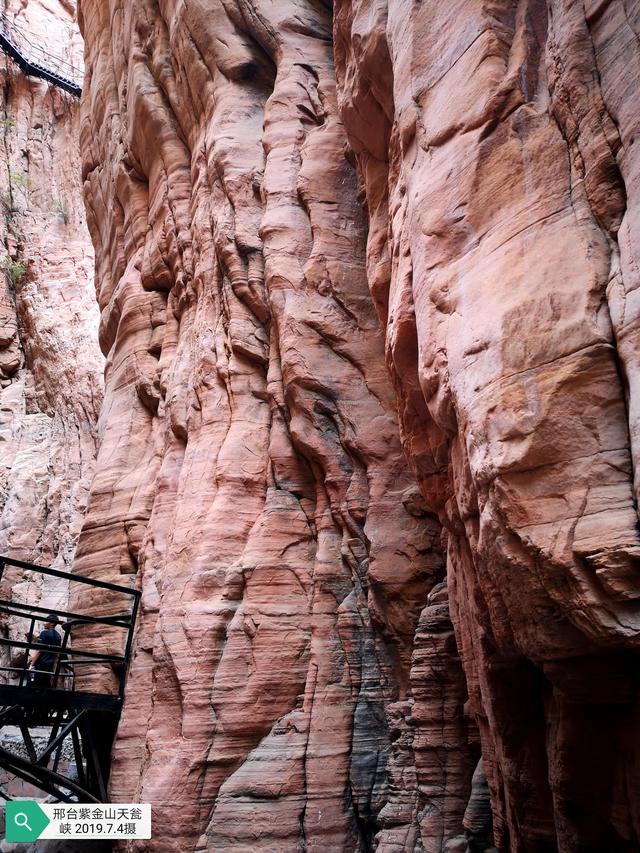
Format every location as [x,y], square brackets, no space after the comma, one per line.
[507,175]
[296,683]
[50,365]
[250,476]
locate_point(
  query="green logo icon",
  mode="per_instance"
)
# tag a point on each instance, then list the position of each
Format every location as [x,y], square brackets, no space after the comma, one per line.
[25,820]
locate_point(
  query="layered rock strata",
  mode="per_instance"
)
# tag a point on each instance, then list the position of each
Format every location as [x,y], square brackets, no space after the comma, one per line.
[50,363]
[296,683]
[250,477]
[497,144]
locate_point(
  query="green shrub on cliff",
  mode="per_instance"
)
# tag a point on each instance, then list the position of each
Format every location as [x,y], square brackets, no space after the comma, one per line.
[14,270]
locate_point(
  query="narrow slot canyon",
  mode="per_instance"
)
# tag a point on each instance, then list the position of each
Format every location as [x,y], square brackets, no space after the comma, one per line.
[319,329]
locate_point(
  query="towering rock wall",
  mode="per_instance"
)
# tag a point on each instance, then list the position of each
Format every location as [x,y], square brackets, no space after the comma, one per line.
[498,147]
[250,476]
[50,363]
[296,684]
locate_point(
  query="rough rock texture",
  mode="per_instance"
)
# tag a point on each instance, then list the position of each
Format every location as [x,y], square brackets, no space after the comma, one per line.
[250,476]
[296,684]
[497,143]
[50,363]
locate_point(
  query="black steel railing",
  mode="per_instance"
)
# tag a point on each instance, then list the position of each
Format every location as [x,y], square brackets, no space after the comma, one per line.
[85,720]
[69,656]
[35,61]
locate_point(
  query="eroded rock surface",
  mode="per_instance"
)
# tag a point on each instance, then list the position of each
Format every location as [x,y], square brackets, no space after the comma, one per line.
[498,148]
[250,476]
[50,363]
[296,684]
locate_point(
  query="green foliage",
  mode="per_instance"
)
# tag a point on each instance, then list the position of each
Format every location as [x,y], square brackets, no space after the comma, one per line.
[18,179]
[7,122]
[15,270]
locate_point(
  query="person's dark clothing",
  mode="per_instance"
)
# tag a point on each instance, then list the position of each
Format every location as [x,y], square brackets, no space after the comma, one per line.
[46,660]
[40,679]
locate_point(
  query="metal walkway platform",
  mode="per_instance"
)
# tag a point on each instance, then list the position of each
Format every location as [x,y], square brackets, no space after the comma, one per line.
[34,61]
[82,721]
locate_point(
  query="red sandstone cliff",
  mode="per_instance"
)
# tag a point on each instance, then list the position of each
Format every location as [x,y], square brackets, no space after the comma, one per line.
[50,363]
[250,473]
[501,185]
[296,684]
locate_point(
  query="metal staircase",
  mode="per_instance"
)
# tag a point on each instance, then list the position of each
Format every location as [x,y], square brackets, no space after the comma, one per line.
[34,61]
[82,721]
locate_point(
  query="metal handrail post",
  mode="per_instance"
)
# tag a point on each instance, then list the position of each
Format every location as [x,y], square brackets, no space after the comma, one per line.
[127,649]
[63,646]
[25,665]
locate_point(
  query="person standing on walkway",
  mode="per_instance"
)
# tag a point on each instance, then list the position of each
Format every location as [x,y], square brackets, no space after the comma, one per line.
[43,662]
